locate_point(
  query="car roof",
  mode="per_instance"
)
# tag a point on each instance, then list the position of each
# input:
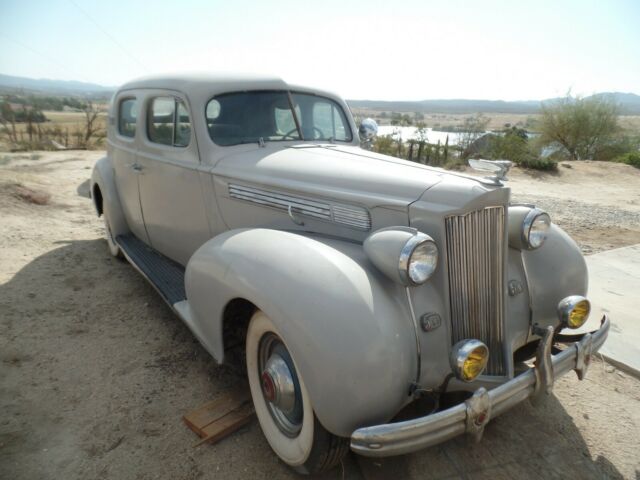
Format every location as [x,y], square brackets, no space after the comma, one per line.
[207,84]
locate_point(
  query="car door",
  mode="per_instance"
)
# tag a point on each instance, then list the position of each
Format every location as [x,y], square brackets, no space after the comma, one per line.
[123,146]
[170,192]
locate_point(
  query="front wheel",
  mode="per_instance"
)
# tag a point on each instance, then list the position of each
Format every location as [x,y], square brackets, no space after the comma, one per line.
[282,403]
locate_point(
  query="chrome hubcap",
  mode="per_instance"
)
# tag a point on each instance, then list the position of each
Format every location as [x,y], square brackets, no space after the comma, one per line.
[279,383]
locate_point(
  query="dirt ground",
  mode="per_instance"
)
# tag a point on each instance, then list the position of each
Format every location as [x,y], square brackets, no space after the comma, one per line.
[96,372]
[597,203]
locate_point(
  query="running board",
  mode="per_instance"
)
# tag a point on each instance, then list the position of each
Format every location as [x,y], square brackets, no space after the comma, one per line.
[165,275]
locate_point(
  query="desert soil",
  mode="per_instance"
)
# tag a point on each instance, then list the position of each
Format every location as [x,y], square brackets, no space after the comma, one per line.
[96,372]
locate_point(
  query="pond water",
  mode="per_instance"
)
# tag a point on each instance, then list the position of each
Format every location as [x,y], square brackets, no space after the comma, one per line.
[409,133]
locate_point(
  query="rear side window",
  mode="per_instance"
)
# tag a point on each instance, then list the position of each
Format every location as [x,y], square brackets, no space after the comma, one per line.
[127,116]
[168,122]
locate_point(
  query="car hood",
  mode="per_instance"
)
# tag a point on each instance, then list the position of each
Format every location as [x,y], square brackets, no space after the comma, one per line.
[340,172]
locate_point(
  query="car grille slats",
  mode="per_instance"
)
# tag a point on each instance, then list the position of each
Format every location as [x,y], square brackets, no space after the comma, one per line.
[475,256]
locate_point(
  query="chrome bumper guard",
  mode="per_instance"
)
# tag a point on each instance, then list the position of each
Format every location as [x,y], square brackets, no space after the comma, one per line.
[472,415]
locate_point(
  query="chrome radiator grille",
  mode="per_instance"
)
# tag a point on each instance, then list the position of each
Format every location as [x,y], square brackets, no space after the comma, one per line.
[475,251]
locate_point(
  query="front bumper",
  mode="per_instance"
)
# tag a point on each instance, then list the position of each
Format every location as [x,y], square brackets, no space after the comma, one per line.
[472,415]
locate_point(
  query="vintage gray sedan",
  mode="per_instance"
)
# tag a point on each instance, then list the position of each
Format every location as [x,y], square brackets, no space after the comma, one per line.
[358,283]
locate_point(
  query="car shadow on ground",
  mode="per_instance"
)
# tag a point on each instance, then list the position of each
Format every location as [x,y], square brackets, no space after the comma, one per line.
[84,188]
[526,442]
[97,372]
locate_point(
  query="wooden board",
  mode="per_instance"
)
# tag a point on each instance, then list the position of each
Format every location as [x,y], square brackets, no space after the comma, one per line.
[220,417]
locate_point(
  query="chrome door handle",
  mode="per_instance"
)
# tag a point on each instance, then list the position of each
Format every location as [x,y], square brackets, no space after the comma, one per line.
[293,217]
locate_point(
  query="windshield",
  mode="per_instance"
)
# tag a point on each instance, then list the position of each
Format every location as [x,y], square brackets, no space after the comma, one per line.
[271,116]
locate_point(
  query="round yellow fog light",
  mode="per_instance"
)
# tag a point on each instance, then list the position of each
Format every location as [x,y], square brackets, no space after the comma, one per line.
[574,311]
[469,359]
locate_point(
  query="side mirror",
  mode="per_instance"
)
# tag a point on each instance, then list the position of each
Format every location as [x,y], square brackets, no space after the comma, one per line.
[367,131]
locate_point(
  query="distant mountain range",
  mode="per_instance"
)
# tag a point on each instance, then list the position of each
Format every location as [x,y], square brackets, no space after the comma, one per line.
[45,86]
[630,102]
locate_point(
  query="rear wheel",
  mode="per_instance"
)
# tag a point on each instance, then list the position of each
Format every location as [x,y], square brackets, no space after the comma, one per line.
[282,403]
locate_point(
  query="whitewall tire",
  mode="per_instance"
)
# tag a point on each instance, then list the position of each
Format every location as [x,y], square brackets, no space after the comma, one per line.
[297,438]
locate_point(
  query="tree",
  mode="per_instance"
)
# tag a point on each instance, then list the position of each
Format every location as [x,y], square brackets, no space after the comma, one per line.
[446,150]
[8,121]
[512,145]
[581,126]
[91,126]
[472,129]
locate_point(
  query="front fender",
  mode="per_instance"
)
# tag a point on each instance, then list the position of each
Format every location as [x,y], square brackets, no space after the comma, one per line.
[346,325]
[103,176]
[554,271]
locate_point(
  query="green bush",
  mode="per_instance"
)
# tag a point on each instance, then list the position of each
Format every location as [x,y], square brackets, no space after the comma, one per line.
[630,158]
[386,145]
[514,145]
[617,147]
[545,164]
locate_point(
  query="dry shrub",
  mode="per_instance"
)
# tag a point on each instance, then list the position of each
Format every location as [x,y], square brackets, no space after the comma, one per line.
[29,195]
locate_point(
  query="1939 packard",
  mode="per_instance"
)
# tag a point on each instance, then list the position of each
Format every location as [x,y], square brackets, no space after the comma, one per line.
[361,283]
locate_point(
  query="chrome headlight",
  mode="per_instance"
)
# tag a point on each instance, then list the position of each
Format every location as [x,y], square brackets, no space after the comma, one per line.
[405,255]
[469,359]
[535,228]
[418,259]
[528,227]
[574,311]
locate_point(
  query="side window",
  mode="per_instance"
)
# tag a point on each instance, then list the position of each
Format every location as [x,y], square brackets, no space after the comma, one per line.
[321,118]
[168,122]
[161,119]
[127,116]
[183,126]
[329,120]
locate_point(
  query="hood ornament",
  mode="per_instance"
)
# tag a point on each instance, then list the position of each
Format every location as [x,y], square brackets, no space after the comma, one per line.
[499,168]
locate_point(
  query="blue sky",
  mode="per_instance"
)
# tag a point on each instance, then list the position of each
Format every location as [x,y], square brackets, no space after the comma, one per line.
[394,50]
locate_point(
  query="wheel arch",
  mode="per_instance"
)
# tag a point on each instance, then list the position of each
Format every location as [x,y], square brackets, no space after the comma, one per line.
[346,325]
[96,196]
[105,196]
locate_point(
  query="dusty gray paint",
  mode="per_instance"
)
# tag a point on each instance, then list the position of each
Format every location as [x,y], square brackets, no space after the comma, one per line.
[346,323]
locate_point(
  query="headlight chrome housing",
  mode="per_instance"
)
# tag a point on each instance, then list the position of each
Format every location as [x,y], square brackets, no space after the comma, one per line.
[574,311]
[528,227]
[535,228]
[469,359]
[404,254]
[418,259]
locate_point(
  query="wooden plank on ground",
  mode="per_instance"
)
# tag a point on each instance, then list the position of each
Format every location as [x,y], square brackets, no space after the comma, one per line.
[220,417]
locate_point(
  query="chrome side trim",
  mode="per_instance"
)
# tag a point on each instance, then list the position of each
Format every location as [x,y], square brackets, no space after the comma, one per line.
[352,216]
[471,416]
[281,201]
[416,331]
[348,215]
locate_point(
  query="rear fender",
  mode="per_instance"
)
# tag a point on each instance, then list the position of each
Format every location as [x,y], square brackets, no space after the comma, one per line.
[103,177]
[347,326]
